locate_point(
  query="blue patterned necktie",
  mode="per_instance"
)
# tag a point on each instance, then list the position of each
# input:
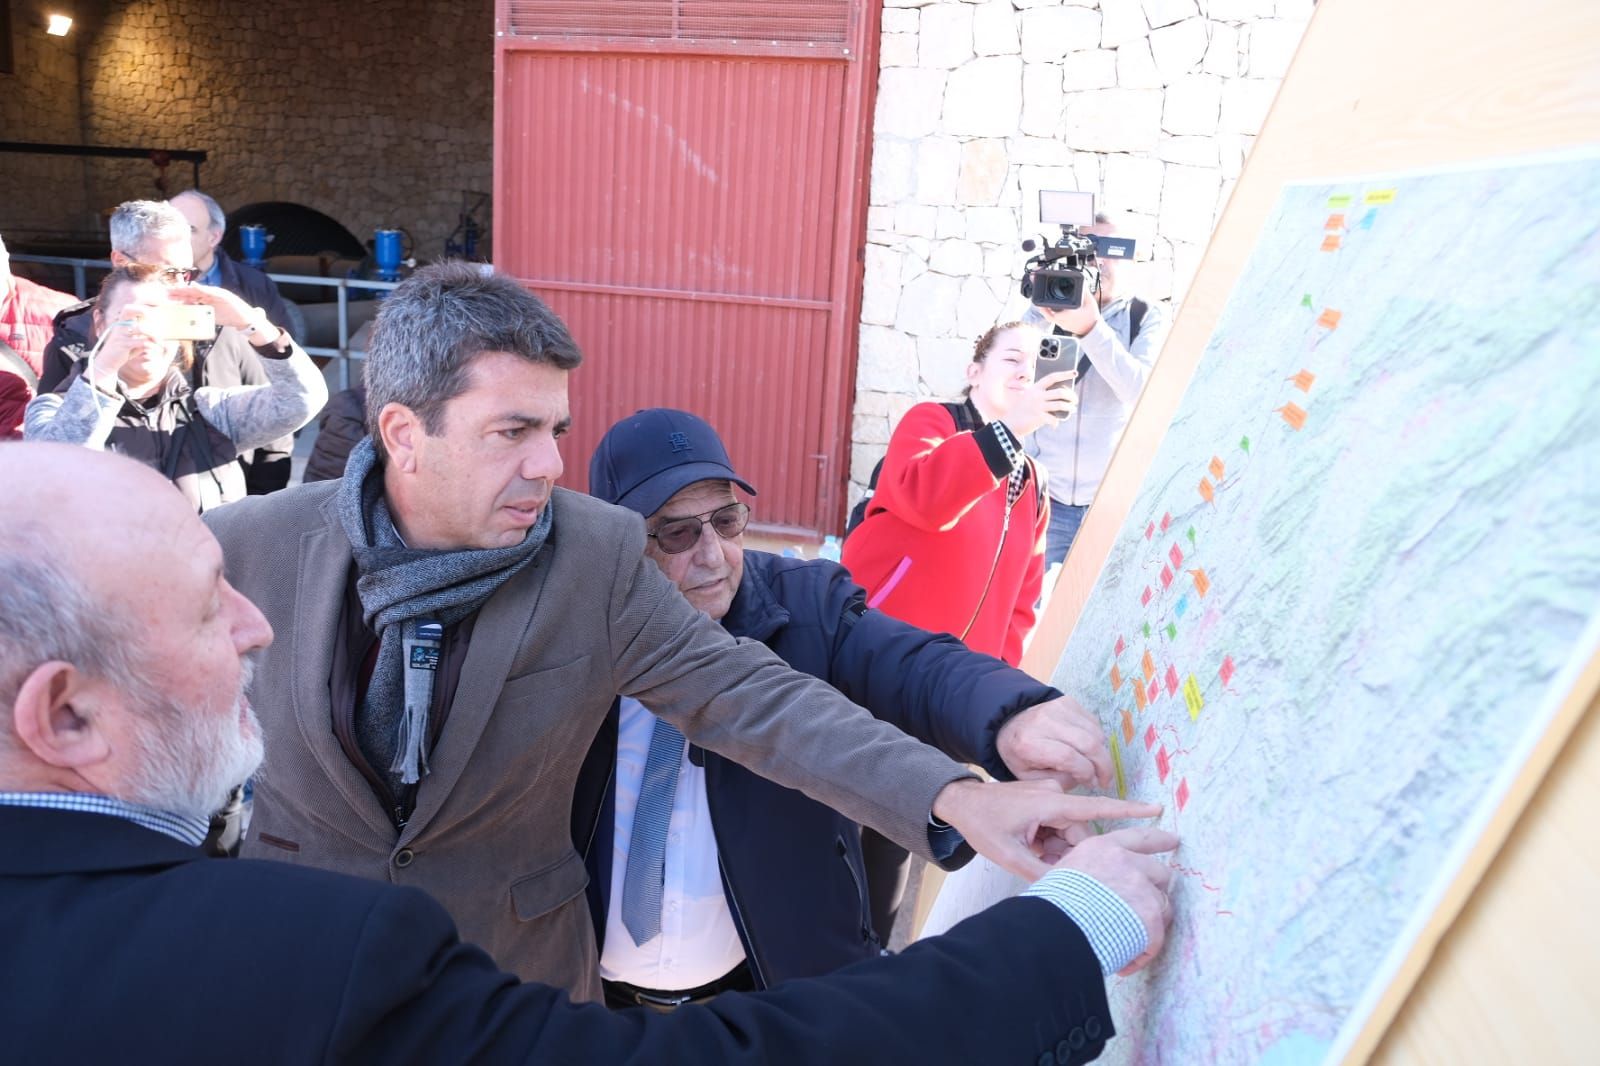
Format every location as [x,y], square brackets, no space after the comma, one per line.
[647,849]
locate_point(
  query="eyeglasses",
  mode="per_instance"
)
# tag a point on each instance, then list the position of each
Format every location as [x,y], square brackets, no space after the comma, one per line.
[681,534]
[166,275]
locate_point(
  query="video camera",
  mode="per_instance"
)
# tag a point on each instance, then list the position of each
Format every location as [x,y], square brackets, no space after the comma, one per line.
[1058,276]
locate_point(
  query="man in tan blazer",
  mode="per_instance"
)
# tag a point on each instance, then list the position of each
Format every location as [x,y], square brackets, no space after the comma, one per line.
[453,629]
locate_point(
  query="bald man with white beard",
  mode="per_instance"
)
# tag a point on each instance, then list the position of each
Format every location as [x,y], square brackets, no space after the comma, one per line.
[123,721]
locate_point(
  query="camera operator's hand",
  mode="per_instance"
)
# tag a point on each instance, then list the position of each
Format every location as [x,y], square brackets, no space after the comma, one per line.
[229,308]
[1040,404]
[1077,321]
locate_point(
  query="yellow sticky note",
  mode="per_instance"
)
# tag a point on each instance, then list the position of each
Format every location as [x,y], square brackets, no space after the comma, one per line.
[1381,196]
[1116,764]
[1192,697]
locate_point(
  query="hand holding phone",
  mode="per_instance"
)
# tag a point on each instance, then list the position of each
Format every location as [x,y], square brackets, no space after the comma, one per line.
[1058,355]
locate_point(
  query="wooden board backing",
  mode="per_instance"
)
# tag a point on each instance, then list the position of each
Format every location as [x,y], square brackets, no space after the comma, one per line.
[1379,86]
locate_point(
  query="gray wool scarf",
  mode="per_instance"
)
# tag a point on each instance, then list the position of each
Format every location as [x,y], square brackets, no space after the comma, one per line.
[408,596]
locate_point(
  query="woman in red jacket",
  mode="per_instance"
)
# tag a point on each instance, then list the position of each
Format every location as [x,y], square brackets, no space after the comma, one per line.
[953,539]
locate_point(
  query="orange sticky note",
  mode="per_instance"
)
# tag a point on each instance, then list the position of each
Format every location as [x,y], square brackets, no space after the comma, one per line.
[1202,584]
[1334,222]
[1207,493]
[1293,415]
[1127,727]
[1330,243]
[1116,677]
[1149,665]
[1138,695]
[1303,380]
[1329,319]
[1216,467]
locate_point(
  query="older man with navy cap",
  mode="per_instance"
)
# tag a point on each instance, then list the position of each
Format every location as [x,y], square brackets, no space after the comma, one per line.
[758,883]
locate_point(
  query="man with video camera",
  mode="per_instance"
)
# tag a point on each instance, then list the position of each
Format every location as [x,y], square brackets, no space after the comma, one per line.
[1118,339]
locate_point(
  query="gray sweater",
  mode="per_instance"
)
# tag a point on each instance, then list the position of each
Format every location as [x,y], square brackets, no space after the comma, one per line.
[1076,452]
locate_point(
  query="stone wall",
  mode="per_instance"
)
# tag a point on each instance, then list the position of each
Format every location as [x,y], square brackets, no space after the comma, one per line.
[1151,105]
[40,102]
[378,114]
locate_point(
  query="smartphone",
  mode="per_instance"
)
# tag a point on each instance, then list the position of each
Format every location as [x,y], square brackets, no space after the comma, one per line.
[1057,353]
[181,322]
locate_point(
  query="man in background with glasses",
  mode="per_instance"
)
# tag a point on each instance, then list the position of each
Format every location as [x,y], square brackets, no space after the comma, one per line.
[757,883]
[151,240]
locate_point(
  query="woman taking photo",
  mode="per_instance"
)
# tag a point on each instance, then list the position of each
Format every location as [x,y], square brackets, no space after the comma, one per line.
[953,538]
[131,393]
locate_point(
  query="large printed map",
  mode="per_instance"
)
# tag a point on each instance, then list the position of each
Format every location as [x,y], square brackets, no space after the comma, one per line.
[1342,606]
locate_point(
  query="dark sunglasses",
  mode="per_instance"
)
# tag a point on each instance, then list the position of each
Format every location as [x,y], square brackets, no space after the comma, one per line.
[681,534]
[166,275]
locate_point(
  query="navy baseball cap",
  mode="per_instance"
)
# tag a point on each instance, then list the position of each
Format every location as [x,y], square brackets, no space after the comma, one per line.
[649,456]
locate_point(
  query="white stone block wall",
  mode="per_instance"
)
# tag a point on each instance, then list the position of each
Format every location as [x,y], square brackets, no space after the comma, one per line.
[1151,105]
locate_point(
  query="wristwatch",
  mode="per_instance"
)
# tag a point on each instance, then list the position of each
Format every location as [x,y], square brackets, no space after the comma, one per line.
[267,339]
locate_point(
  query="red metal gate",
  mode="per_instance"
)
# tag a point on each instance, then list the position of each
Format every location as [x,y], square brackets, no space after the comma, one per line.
[685,182]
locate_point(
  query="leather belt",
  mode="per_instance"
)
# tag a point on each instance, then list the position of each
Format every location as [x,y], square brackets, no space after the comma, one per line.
[622,994]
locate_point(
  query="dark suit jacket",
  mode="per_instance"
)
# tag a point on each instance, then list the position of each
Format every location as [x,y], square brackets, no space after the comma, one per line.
[123,945]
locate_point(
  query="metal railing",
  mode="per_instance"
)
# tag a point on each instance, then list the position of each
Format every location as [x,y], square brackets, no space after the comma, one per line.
[343,354]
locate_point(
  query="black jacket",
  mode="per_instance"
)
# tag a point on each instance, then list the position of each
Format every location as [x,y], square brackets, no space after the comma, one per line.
[123,945]
[791,867]
[223,363]
[341,427]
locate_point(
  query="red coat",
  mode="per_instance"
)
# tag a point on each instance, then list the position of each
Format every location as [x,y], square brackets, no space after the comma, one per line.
[937,548]
[27,313]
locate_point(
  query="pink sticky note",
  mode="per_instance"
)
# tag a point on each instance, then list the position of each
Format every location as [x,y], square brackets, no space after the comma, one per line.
[1226,673]
[1183,793]
[1166,520]
[1149,531]
[1163,763]
[1166,577]
[1144,601]
[1176,556]
[1120,645]
[1150,738]
[1172,681]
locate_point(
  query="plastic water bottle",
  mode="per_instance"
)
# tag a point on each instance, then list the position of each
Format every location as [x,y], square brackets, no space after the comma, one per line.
[791,552]
[829,549]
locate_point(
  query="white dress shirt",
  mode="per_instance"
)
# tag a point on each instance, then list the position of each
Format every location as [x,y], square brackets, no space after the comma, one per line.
[699,942]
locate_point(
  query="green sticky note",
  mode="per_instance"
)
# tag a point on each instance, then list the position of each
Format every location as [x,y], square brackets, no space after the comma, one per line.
[1305,301]
[1191,534]
[1172,631]
[1244,442]
[1147,631]
[1340,201]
